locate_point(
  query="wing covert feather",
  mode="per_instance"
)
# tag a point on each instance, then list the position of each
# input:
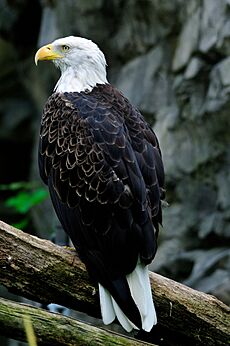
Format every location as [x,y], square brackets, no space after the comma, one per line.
[103,166]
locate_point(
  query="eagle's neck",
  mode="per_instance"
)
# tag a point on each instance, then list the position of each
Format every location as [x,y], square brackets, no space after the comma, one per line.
[77,79]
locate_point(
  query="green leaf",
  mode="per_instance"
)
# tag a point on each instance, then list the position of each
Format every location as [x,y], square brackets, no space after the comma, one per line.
[21,224]
[20,202]
[24,201]
[13,186]
[19,185]
[38,195]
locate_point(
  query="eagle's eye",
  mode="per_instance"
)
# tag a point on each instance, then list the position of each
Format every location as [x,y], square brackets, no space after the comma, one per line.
[64,48]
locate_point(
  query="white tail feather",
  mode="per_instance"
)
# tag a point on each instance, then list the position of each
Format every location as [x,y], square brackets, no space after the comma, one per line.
[107,310]
[124,321]
[140,289]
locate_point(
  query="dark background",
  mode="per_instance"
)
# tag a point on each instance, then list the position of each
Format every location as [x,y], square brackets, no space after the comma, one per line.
[171,59]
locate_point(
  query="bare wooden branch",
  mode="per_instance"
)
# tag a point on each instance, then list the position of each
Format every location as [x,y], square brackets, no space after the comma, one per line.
[54,329]
[42,271]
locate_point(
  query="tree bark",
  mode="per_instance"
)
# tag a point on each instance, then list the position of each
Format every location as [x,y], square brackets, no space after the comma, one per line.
[54,329]
[44,272]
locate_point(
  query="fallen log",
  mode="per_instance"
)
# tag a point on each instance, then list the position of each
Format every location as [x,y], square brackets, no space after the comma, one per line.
[39,270]
[54,329]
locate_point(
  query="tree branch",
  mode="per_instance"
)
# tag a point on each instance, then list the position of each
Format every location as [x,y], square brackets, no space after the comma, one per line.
[42,271]
[54,329]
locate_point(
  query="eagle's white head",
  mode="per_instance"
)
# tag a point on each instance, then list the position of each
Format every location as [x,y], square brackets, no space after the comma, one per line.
[81,62]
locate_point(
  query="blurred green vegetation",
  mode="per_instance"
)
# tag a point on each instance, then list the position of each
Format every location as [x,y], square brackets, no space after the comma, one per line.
[23,197]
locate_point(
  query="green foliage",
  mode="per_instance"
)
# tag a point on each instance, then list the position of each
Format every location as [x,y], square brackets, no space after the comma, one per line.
[24,201]
[25,195]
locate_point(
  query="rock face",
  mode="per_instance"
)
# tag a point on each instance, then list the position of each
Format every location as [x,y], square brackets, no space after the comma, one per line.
[170,58]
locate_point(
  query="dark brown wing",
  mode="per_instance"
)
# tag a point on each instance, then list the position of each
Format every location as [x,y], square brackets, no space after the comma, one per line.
[103,167]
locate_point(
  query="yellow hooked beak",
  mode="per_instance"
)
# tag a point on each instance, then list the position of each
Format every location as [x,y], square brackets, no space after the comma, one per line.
[47,53]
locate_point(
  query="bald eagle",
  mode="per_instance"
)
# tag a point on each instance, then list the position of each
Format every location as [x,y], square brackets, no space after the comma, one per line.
[103,167]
